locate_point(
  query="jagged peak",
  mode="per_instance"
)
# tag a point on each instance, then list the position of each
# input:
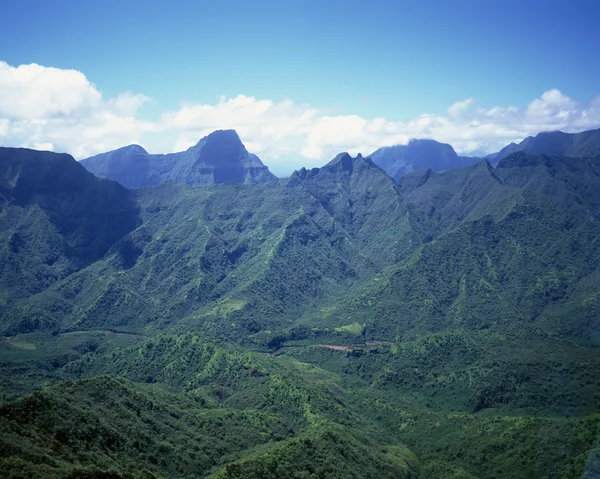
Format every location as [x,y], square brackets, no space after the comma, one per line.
[345,162]
[304,173]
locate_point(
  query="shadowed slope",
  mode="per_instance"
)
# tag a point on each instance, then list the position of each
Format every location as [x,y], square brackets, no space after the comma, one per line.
[55,218]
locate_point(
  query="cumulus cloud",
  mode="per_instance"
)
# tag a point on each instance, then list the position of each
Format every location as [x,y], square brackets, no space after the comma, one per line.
[286,132]
[128,103]
[459,108]
[267,127]
[49,108]
[4,124]
[34,91]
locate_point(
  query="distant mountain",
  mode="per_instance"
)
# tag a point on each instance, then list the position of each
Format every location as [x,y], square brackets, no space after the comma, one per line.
[217,158]
[555,143]
[399,160]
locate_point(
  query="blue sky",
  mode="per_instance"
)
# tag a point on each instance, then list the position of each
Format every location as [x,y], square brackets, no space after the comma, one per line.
[378,59]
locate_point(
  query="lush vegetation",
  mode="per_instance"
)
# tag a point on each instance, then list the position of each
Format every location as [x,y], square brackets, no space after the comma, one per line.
[337,323]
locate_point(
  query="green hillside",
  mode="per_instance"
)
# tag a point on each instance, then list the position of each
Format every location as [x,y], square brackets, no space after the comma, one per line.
[336,323]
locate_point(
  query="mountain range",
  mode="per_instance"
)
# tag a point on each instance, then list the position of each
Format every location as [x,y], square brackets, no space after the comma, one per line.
[217,158]
[221,157]
[555,143]
[337,323]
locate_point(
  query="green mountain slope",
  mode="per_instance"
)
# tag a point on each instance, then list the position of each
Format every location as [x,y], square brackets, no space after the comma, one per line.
[223,403]
[109,424]
[327,452]
[204,410]
[333,324]
[55,219]
[252,255]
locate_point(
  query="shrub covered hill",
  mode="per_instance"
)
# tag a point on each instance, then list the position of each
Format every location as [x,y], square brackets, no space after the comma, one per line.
[337,323]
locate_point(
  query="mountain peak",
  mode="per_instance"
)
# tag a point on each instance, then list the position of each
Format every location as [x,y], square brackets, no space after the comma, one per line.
[219,136]
[345,162]
[219,157]
[134,148]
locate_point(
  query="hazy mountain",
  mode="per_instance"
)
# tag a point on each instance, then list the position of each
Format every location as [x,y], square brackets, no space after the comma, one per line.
[555,143]
[217,158]
[417,155]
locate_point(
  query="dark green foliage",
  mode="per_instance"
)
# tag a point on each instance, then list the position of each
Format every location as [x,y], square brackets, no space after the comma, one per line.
[324,452]
[229,375]
[109,423]
[471,372]
[234,260]
[524,265]
[503,446]
[33,361]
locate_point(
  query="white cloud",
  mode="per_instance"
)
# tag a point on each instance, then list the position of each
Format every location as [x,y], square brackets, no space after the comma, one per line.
[49,108]
[62,110]
[43,146]
[460,107]
[334,132]
[265,124]
[4,125]
[33,91]
[128,103]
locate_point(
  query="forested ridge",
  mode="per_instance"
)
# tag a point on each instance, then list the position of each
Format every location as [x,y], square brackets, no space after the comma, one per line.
[178,331]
